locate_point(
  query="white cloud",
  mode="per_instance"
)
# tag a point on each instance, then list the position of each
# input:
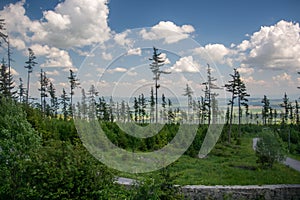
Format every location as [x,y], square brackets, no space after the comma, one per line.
[71,23]
[283,78]
[245,70]
[136,51]
[54,56]
[53,73]
[121,39]
[168,31]
[17,43]
[273,47]
[251,81]
[217,52]
[106,56]
[117,69]
[186,64]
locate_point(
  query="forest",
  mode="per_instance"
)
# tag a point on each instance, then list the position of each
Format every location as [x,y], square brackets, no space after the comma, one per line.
[43,157]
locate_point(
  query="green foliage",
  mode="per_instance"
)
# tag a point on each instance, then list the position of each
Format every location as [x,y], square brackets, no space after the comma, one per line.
[160,185]
[65,171]
[269,149]
[18,142]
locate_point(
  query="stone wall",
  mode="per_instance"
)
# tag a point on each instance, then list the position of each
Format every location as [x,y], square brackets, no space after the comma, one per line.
[272,192]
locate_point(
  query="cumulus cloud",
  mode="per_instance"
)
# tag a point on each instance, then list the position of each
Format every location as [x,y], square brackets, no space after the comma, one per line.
[54,56]
[168,31]
[186,64]
[136,51]
[245,70]
[121,39]
[273,47]
[283,78]
[251,81]
[106,56]
[117,69]
[217,52]
[71,23]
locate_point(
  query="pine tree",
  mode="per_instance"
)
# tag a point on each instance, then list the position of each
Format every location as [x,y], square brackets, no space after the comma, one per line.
[210,85]
[152,105]
[171,116]
[163,105]
[232,88]
[73,84]
[29,66]
[188,92]
[285,105]
[44,82]
[21,91]
[111,109]
[3,36]
[143,106]
[54,104]
[6,82]
[9,64]
[157,63]
[123,111]
[92,94]
[84,106]
[136,109]
[297,112]
[266,109]
[64,100]
[242,98]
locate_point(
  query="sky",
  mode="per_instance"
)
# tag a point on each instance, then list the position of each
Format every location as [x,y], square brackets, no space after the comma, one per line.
[109,43]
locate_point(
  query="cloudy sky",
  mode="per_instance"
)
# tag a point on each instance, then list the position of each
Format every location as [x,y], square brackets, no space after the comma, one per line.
[109,43]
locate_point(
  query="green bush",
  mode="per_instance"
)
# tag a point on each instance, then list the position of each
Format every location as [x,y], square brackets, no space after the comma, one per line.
[269,149]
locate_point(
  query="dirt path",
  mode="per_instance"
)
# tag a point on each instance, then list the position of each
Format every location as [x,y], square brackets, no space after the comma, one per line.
[295,164]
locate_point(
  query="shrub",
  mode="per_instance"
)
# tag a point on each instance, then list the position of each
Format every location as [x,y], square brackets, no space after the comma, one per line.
[269,149]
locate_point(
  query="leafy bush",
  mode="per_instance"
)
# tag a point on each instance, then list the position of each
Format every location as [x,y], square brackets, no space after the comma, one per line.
[269,149]
[18,142]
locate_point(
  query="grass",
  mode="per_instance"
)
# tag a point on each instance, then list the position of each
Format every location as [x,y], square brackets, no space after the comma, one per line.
[228,165]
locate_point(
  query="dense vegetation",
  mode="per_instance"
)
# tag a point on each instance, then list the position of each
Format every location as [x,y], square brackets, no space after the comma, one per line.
[42,157]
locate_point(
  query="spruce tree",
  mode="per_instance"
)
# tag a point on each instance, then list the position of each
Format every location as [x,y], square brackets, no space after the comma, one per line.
[29,66]
[73,84]
[54,104]
[64,100]
[210,85]
[188,92]
[157,63]
[6,81]
[232,88]
[266,109]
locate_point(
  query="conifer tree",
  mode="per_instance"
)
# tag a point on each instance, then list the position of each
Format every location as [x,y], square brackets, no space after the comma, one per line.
[21,91]
[285,105]
[297,112]
[29,66]
[188,92]
[73,84]
[266,109]
[210,85]
[242,98]
[152,105]
[157,63]
[3,36]
[232,88]
[6,82]
[64,100]
[44,83]
[54,104]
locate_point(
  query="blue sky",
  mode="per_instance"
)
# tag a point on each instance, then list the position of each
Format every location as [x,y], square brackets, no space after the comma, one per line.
[260,37]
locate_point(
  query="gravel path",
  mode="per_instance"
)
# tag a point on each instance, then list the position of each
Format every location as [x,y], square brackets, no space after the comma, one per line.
[295,164]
